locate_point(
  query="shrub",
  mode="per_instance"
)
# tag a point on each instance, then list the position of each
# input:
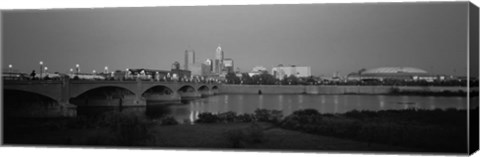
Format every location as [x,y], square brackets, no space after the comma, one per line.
[303,119]
[227,117]
[265,115]
[307,112]
[361,115]
[207,118]
[245,118]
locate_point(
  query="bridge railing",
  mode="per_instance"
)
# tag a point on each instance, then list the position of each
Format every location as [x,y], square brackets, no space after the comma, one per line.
[9,82]
[76,80]
[143,80]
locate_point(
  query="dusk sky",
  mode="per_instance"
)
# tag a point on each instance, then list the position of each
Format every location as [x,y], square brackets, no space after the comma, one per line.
[327,37]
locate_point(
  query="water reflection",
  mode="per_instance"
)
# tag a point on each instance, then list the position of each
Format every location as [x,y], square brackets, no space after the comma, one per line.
[240,107]
[225,105]
[260,101]
[335,103]
[280,102]
[188,111]
[381,100]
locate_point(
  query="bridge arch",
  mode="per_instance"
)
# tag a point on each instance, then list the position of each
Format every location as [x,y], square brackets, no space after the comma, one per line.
[52,92]
[104,96]
[79,91]
[215,89]
[186,88]
[161,89]
[8,94]
[105,91]
[21,103]
[203,88]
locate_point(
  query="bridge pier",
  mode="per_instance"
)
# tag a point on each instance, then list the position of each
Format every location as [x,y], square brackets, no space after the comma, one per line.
[139,101]
[67,110]
[206,93]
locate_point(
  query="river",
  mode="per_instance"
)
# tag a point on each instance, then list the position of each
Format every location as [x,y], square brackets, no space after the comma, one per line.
[188,111]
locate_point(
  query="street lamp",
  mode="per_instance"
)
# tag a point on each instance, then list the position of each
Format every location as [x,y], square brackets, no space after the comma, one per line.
[10,68]
[77,69]
[41,69]
[46,69]
[127,71]
[106,69]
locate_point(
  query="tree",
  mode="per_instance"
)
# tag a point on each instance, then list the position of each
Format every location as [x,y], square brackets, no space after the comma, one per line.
[292,79]
[246,79]
[232,78]
[264,78]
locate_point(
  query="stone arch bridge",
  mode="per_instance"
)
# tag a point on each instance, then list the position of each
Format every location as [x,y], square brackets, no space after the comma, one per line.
[67,92]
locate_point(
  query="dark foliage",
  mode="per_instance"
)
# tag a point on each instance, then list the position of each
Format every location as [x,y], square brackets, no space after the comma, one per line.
[264,115]
[246,118]
[207,118]
[227,117]
[128,129]
[437,130]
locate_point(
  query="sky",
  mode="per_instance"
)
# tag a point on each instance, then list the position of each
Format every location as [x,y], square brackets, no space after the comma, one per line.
[329,38]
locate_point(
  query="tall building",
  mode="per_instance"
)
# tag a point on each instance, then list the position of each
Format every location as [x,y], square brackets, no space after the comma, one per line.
[196,69]
[218,62]
[199,69]
[228,65]
[189,58]
[219,53]
[209,63]
[281,71]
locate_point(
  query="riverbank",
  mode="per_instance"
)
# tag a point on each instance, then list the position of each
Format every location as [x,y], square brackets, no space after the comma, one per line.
[310,89]
[199,136]
[439,131]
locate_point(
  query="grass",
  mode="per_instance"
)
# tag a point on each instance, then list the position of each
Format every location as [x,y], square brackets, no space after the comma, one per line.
[433,131]
[394,130]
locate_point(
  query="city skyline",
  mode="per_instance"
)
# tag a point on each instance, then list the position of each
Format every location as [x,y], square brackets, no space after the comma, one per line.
[328,37]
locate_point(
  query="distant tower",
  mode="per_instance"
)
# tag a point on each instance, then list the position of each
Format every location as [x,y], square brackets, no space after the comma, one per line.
[218,62]
[189,58]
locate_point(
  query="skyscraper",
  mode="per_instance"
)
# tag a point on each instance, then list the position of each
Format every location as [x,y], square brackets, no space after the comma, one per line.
[189,58]
[209,63]
[218,62]
[228,64]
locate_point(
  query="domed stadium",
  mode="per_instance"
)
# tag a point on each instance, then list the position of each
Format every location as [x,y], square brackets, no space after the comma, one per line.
[390,70]
[392,73]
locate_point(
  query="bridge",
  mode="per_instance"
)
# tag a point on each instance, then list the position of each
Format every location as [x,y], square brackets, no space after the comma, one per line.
[67,94]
